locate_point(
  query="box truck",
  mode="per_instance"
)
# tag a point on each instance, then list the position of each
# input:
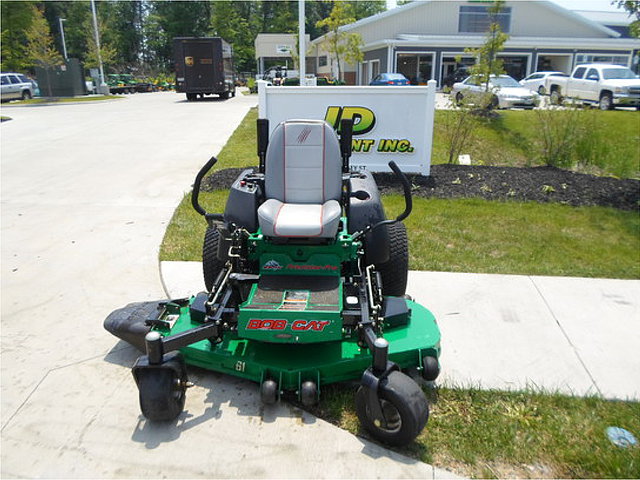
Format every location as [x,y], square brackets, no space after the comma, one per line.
[204,66]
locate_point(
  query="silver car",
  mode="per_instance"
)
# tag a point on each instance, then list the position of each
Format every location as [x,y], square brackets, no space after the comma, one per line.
[16,86]
[505,92]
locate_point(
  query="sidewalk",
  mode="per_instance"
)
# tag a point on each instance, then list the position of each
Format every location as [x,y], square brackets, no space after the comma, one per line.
[571,335]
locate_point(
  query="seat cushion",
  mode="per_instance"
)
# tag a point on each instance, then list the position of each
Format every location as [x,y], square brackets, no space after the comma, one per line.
[278,219]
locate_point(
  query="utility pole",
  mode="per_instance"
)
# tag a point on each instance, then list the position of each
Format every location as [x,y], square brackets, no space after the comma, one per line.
[64,44]
[302,60]
[103,86]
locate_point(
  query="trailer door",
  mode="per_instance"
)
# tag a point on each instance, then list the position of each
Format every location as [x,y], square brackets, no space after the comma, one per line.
[198,61]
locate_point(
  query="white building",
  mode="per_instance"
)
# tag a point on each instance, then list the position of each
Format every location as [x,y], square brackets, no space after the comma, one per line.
[275,49]
[423,40]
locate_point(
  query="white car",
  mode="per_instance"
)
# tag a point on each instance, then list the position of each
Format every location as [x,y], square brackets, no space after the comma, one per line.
[505,91]
[536,81]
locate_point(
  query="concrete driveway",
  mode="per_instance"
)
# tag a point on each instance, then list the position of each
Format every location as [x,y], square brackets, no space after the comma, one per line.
[87,190]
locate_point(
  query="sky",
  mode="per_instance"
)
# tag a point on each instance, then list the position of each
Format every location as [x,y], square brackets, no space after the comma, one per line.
[601,5]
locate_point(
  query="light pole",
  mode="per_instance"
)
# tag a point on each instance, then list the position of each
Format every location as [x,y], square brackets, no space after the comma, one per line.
[103,86]
[302,60]
[64,44]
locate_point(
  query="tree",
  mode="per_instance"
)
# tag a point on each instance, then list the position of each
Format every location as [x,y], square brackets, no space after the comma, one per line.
[633,8]
[108,54]
[238,23]
[488,63]
[16,21]
[362,9]
[339,44]
[40,49]
[122,31]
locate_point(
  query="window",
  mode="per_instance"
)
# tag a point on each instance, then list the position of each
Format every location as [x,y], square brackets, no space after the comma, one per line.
[618,74]
[592,74]
[5,80]
[579,73]
[375,67]
[14,79]
[476,19]
[615,59]
[322,61]
[535,76]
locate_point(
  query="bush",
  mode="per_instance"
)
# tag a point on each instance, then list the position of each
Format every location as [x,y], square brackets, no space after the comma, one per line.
[560,132]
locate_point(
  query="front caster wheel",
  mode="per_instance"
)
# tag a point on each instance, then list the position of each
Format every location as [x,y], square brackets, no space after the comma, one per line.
[309,394]
[269,392]
[404,407]
[162,389]
[430,368]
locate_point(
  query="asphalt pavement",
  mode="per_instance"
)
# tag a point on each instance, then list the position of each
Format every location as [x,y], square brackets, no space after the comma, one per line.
[87,192]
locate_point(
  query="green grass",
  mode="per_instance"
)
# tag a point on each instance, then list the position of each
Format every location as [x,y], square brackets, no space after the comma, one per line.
[241,149]
[494,434]
[48,100]
[474,235]
[612,146]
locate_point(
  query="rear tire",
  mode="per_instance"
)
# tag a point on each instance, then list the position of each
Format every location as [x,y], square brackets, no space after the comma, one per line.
[556,98]
[541,90]
[394,271]
[26,95]
[405,408]
[211,264]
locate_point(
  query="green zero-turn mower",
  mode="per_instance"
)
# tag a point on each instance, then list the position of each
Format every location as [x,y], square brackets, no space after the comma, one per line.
[305,282]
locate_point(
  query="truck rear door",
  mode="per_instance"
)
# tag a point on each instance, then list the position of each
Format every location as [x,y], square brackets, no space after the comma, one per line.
[199,68]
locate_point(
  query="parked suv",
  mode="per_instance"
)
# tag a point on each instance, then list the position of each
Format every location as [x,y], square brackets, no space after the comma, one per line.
[15,86]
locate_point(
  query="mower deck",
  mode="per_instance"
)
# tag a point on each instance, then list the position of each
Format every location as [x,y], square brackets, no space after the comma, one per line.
[291,364]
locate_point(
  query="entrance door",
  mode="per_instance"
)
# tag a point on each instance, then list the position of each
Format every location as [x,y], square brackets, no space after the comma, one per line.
[408,66]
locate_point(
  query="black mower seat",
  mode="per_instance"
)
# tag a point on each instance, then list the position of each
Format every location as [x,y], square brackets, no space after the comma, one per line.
[303,181]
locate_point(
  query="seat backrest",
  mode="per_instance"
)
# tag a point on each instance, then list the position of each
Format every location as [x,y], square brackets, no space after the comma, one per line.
[303,163]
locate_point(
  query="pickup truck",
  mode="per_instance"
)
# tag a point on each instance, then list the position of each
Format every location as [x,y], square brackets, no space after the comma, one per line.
[598,83]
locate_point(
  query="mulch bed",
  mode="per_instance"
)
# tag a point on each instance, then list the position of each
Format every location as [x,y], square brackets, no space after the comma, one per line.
[536,184]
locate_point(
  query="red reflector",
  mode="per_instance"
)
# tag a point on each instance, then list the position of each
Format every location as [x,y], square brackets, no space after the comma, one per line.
[390,82]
